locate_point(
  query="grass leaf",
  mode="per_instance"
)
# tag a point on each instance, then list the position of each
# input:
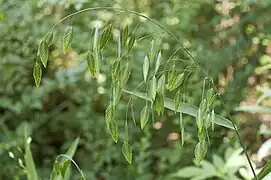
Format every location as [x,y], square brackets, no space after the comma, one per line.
[144,116]
[146,66]
[185,109]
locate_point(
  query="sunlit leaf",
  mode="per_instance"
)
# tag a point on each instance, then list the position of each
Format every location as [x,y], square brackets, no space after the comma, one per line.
[31,171]
[146,65]
[158,62]
[67,39]
[185,109]
[144,116]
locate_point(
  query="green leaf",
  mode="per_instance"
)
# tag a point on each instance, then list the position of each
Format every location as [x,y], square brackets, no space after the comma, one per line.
[127,151]
[37,73]
[159,104]
[146,66]
[185,109]
[171,78]
[131,43]
[124,36]
[213,120]
[152,90]
[115,71]
[200,151]
[91,64]
[210,94]
[113,127]
[65,167]
[73,147]
[67,39]
[116,95]
[152,51]
[49,38]
[175,81]
[106,34]
[177,100]
[265,171]
[158,62]
[161,85]
[97,57]
[202,134]
[144,116]
[43,52]
[109,115]
[31,171]
[199,119]
[125,74]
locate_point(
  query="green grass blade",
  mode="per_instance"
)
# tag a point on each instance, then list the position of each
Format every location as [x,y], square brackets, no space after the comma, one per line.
[29,162]
[185,109]
[266,170]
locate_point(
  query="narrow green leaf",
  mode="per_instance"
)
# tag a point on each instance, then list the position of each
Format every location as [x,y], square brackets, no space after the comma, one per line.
[177,100]
[109,115]
[116,94]
[91,64]
[152,51]
[115,71]
[96,39]
[125,74]
[144,116]
[146,65]
[185,109]
[73,147]
[265,171]
[213,120]
[49,38]
[113,127]
[127,151]
[200,151]
[29,162]
[159,104]
[158,62]
[37,73]
[106,34]
[124,36]
[43,52]
[67,39]
[152,90]
[64,167]
[131,43]
[161,85]
[171,78]
[199,119]
[97,58]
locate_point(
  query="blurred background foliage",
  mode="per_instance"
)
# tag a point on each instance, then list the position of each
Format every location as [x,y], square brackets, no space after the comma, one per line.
[231,39]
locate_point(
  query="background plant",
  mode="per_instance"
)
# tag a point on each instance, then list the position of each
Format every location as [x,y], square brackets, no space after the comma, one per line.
[72,74]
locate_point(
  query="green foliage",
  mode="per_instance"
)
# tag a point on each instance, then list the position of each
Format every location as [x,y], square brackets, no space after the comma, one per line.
[69,103]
